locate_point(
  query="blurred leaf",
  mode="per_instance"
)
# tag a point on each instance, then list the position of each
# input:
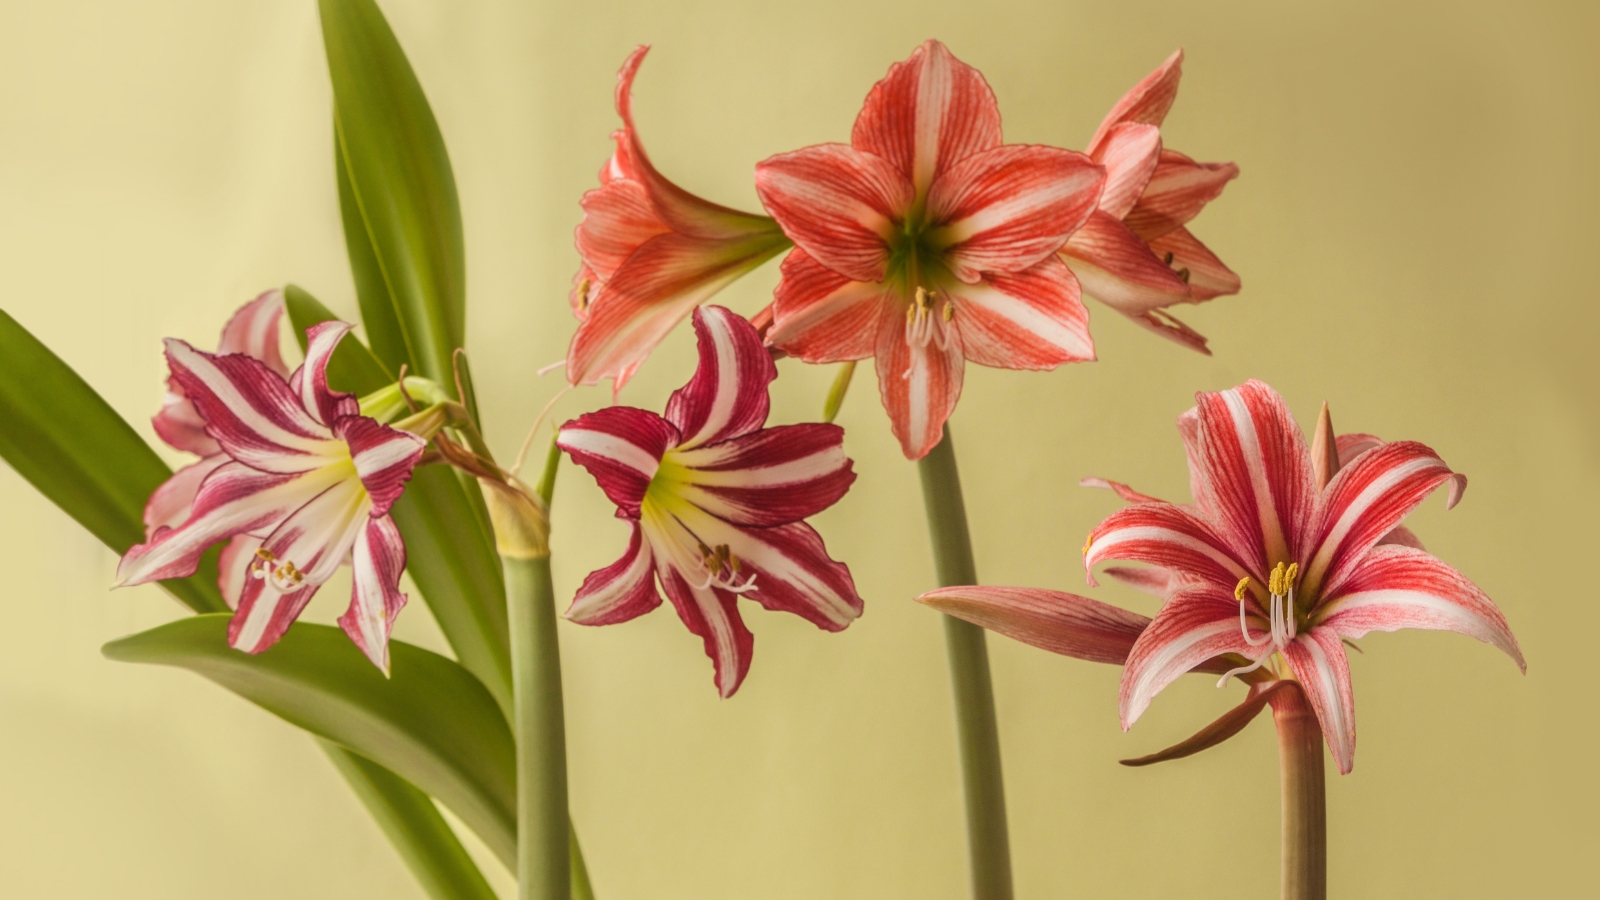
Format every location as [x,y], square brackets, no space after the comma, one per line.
[414,826]
[398,174]
[70,444]
[449,550]
[432,723]
[372,293]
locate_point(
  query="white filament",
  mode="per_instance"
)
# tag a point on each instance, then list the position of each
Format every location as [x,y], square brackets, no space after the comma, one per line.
[1281,632]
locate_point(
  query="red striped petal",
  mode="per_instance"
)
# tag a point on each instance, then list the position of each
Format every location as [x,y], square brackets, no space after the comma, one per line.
[1050,620]
[264,615]
[821,316]
[383,456]
[727,396]
[1163,323]
[919,385]
[772,477]
[841,205]
[310,381]
[1319,663]
[1197,624]
[1165,535]
[179,424]
[1208,278]
[622,448]
[1122,490]
[713,615]
[1030,320]
[621,591]
[376,562]
[929,113]
[1130,153]
[1120,270]
[1147,102]
[253,331]
[1351,446]
[1176,192]
[1006,209]
[169,504]
[317,537]
[233,567]
[1153,580]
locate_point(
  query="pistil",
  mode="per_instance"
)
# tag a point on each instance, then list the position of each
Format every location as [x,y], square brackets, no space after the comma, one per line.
[1280,617]
[285,576]
[723,569]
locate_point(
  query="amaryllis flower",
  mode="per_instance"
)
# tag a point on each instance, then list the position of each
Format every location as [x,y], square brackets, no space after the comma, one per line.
[305,473]
[1266,575]
[651,253]
[716,503]
[1134,254]
[927,242]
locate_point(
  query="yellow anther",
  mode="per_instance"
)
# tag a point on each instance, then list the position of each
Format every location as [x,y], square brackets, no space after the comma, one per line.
[1275,581]
[583,293]
[1288,577]
[949,311]
[1086,542]
[922,298]
[264,553]
[1244,585]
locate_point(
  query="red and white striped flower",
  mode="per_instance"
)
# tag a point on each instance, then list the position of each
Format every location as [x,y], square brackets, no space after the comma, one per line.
[717,503]
[306,474]
[927,242]
[651,253]
[1134,254]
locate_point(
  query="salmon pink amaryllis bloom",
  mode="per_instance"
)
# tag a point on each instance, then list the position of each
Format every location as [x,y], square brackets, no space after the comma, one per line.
[1135,253]
[651,253]
[717,503]
[928,242]
[305,473]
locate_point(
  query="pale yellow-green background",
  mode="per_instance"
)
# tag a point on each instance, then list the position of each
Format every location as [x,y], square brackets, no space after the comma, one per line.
[1415,226]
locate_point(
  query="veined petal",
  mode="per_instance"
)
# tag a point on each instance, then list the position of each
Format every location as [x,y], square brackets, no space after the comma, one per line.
[1166,535]
[180,425]
[1030,320]
[376,562]
[841,205]
[253,331]
[1351,446]
[617,219]
[264,614]
[622,448]
[1198,623]
[1396,587]
[1120,270]
[1006,209]
[1226,726]
[621,591]
[710,612]
[1176,192]
[1147,102]
[821,316]
[1208,277]
[1165,324]
[1122,490]
[232,500]
[1319,663]
[383,457]
[1153,580]
[1365,501]
[1402,536]
[1050,620]
[727,396]
[169,505]
[918,384]
[310,381]
[929,113]
[771,477]
[1130,153]
[251,411]
[233,567]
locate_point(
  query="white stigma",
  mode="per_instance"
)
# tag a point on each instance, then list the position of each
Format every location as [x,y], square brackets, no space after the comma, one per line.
[928,322]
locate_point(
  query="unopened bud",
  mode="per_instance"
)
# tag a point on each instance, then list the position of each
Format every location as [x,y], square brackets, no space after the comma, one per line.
[521,521]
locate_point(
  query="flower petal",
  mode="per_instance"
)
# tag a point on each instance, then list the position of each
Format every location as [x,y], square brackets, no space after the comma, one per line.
[1351,446]
[1319,663]
[1163,323]
[264,614]
[821,316]
[317,537]
[617,219]
[1050,620]
[1396,587]
[1208,277]
[1147,102]
[1165,535]
[1153,580]
[839,204]
[621,591]
[919,385]
[1006,209]
[233,567]
[771,477]
[169,504]
[180,425]
[1122,490]
[376,562]
[712,614]
[383,457]
[1226,726]
[1176,192]
[1030,320]
[1130,153]
[1120,270]
[791,568]
[310,381]
[929,113]
[622,448]
[253,331]
[1199,623]
[727,396]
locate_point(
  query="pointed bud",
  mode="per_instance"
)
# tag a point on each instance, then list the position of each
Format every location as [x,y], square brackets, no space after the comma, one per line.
[521,523]
[1324,450]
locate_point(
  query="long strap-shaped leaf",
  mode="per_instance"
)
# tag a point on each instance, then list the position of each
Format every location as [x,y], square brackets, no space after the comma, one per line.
[398,174]
[70,444]
[432,723]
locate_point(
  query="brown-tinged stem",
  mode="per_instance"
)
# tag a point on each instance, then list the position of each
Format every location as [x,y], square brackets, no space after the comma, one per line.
[1305,820]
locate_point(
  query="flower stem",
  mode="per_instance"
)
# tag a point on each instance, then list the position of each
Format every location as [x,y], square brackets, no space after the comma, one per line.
[1305,825]
[988,845]
[543,851]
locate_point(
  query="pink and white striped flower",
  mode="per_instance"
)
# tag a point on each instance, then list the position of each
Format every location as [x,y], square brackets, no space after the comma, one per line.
[1135,253]
[303,472]
[927,242]
[716,503]
[651,253]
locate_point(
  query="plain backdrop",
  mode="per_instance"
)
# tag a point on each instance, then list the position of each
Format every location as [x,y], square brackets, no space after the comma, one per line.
[1415,229]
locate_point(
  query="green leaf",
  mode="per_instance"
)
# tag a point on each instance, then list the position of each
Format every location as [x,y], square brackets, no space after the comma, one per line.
[414,826]
[70,444]
[372,293]
[398,175]
[449,550]
[432,723]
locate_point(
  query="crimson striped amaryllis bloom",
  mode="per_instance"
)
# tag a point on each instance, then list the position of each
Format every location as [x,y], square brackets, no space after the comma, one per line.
[927,242]
[1264,576]
[1135,253]
[305,474]
[716,503]
[651,253]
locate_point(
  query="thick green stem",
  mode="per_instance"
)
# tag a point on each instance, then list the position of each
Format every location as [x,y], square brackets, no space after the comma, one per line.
[1305,820]
[988,845]
[543,849]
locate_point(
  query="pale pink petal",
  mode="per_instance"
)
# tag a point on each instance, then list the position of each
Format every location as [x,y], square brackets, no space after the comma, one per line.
[821,316]
[1122,490]
[727,396]
[1007,209]
[310,381]
[1319,663]
[1351,446]
[383,457]
[1402,536]
[1166,535]
[1030,320]
[169,505]
[1130,153]
[376,561]
[180,425]
[1398,587]
[1146,102]
[617,219]
[1205,274]
[1153,580]
[1050,620]
[1199,623]
[1177,191]
[918,384]
[1163,323]
[712,614]
[840,205]
[621,591]
[1120,270]
[1226,726]
[253,331]
[622,448]
[772,477]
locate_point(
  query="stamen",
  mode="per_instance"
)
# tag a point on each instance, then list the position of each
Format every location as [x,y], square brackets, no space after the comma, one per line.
[723,569]
[1281,624]
[583,294]
[1238,591]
